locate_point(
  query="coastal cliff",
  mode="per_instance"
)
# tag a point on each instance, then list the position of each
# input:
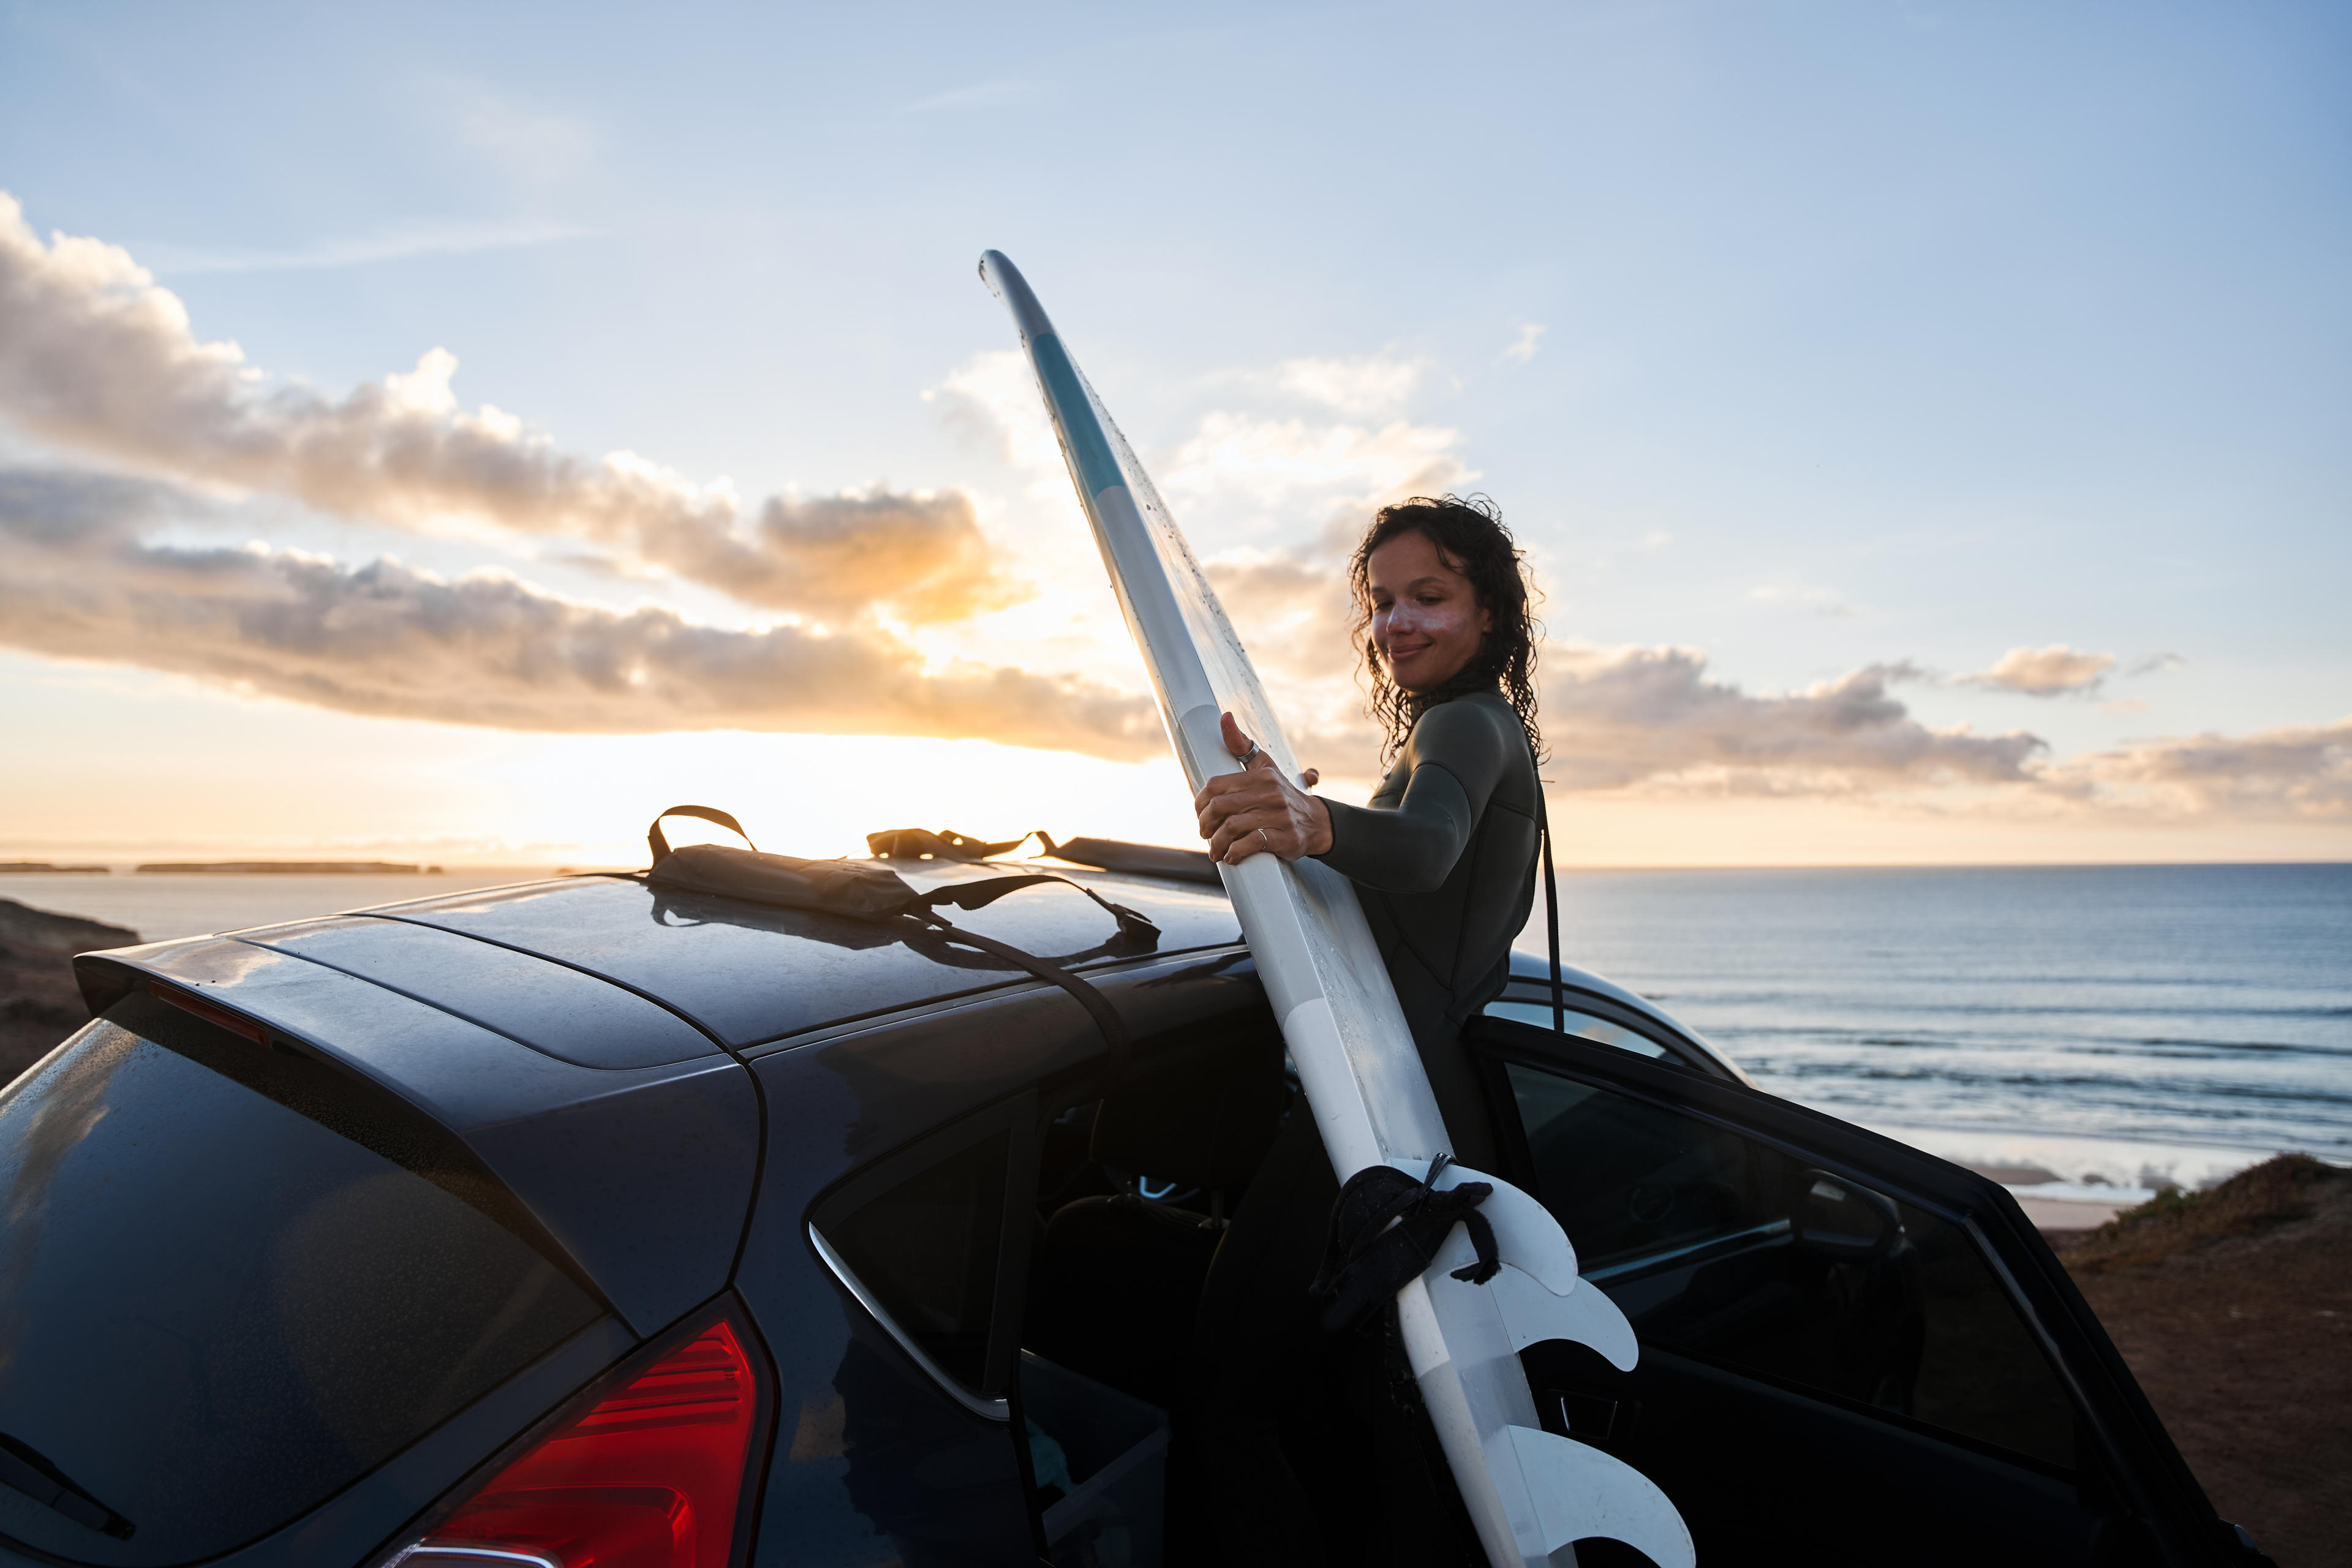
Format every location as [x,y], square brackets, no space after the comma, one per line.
[39,1004]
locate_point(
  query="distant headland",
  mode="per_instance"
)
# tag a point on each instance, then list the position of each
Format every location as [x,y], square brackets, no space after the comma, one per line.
[42,867]
[284,867]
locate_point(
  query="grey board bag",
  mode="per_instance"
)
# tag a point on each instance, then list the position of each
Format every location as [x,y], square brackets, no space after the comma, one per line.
[868,892]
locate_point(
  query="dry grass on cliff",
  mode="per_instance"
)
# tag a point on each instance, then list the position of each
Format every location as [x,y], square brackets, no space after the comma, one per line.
[2270,1194]
[2234,1307]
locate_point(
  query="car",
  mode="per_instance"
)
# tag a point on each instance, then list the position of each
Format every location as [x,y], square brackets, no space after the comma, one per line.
[603,1220]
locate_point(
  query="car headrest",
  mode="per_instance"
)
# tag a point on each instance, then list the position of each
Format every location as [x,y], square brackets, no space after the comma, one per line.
[1203,1114]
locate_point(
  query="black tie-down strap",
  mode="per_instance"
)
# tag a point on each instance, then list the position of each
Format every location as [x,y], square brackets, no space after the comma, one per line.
[981,894]
[659,842]
[1108,1022]
[875,893]
[1367,1259]
[922,844]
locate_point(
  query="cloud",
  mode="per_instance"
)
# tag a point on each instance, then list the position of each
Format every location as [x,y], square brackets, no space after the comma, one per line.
[1292,606]
[76,581]
[1651,721]
[923,556]
[1290,466]
[94,355]
[1365,385]
[2301,772]
[1523,348]
[1240,470]
[1620,717]
[1292,611]
[992,398]
[1647,719]
[2053,672]
[388,244]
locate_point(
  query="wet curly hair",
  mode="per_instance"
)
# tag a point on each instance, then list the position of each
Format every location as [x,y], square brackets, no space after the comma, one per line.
[1469,534]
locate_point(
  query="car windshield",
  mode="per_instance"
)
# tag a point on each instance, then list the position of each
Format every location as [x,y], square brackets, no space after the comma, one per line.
[232,1282]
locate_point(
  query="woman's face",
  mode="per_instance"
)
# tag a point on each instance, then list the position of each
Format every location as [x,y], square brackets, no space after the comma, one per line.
[1426,623]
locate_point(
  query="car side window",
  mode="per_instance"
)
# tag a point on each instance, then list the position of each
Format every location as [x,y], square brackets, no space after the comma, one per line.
[1582,1027]
[923,1238]
[1722,1247]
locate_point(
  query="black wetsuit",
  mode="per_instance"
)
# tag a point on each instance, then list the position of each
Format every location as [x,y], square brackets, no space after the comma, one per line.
[1444,860]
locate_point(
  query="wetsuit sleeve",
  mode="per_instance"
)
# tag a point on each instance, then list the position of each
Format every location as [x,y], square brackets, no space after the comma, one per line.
[1458,755]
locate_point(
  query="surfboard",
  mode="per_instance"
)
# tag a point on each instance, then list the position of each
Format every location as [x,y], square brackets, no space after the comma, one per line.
[1531,1494]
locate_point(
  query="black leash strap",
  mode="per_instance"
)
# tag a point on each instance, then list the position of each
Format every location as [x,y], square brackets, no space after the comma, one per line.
[1386,1229]
[1107,1019]
[1551,915]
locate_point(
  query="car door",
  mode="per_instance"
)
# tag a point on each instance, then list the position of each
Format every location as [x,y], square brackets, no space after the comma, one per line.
[1852,1352]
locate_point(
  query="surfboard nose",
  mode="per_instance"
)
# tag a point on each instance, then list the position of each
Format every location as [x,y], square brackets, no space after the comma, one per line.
[1004,281]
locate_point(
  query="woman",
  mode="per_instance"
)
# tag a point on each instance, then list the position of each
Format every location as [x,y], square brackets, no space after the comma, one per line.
[1444,858]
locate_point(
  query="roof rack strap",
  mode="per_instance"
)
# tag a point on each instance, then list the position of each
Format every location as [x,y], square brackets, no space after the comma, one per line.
[659,842]
[922,844]
[979,894]
[1108,1022]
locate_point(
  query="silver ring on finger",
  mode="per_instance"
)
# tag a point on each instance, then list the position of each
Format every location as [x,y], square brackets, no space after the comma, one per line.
[1269,843]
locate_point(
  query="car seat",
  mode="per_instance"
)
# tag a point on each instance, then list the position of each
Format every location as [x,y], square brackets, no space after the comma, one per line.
[1115,1278]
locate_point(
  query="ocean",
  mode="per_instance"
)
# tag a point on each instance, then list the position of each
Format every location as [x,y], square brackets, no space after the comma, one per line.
[2118,1027]
[2091,1032]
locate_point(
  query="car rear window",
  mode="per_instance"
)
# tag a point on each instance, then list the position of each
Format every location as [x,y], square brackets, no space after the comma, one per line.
[233,1280]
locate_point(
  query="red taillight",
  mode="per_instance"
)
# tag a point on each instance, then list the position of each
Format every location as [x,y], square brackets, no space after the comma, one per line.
[234,1023]
[651,1477]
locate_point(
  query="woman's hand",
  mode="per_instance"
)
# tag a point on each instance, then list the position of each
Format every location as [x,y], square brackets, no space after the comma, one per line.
[1258,809]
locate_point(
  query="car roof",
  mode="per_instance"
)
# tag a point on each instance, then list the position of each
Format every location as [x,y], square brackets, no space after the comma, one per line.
[1534,969]
[749,974]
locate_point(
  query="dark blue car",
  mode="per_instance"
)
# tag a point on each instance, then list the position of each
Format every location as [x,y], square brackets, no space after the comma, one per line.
[600,1222]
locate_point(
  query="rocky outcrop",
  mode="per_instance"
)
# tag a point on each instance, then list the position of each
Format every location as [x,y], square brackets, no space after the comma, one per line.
[39,1004]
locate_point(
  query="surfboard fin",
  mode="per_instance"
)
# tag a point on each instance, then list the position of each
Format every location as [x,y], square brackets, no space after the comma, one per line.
[1581,1492]
[1525,1235]
[1533,1314]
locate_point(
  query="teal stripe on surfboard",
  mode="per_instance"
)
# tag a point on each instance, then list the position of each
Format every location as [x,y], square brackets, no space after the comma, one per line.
[1089,448]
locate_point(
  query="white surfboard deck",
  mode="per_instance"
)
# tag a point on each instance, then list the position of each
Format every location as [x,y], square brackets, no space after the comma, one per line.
[1530,1493]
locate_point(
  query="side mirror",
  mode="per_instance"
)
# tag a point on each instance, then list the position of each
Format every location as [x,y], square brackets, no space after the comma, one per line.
[1838,1218]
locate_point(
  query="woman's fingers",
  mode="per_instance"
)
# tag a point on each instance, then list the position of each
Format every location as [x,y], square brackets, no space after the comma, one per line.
[1250,833]
[1246,813]
[1227,794]
[1226,832]
[1240,744]
[1242,840]
[1237,742]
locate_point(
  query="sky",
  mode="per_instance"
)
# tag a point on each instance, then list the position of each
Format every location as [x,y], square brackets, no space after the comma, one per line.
[454,433]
